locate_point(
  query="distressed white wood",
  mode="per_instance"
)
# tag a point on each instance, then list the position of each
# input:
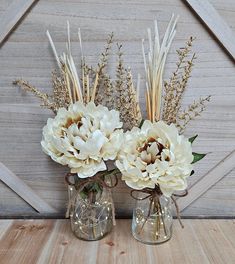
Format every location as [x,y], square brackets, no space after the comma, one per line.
[12,15]
[212,177]
[215,23]
[24,191]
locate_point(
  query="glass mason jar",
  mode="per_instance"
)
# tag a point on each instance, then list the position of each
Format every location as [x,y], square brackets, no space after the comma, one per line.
[91,211]
[152,220]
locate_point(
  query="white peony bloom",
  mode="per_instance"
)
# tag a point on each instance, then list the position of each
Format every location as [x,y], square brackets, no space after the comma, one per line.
[155,155]
[83,138]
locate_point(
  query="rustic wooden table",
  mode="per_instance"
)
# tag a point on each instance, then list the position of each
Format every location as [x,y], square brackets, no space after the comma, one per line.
[51,241]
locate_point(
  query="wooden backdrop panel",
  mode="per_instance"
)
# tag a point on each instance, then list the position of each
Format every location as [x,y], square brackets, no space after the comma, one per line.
[27,54]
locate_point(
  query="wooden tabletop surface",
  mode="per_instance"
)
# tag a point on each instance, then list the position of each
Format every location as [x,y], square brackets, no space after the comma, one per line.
[51,241]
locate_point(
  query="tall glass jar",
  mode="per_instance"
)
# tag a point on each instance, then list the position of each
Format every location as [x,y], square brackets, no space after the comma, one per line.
[91,212]
[152,220]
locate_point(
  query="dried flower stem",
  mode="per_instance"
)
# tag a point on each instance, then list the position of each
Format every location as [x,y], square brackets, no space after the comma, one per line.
[154,68]
[44,97]
[194,110]
[104,56]
[175,88]
[67,65]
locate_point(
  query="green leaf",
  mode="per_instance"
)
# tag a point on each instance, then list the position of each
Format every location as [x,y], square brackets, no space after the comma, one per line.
[112,172]
[83,195]
[96,187]
[141,123]
[192,139]
[197,157]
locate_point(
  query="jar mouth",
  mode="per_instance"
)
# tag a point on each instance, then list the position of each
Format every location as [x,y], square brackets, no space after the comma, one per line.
[97,200]
[97,204]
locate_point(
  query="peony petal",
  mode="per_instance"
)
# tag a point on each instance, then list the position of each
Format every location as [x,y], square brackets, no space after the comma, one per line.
[85,173]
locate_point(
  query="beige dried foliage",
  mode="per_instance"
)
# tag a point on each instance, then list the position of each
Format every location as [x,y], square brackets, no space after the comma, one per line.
[193,110]
[131,110]
[104,91]
[105,55]
[175,88]
[120,93]
[93,84]
[124,94]
[120,82]
[60,96]
[47,100]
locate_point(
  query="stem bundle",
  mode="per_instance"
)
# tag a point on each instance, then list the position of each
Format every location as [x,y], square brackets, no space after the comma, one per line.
[154,64]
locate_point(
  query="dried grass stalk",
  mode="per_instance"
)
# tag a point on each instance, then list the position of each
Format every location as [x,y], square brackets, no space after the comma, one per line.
[97,86]
[104,86]
[92,85]
[154,64]
[120,93]
[61,95]
[193,110]
[125,97]
[44,97]
[131,111]
[174,89]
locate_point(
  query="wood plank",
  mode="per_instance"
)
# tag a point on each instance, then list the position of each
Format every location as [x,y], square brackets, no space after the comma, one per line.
[213,176]
[24,191]
[23,242]
[4,225]
[69,249]
[186,239]
[215,23]
[228,230]
[51,241]
[12,15]
[213,241]
[117,247]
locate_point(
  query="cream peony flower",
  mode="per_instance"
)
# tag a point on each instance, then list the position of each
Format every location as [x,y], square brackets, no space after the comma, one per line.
[155,155]
[83,138]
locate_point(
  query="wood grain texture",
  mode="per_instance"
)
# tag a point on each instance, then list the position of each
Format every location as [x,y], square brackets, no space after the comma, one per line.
[4,225]
[12,15]
[24,191]
[47,241]
[215,23]
[27,54]
[23,241]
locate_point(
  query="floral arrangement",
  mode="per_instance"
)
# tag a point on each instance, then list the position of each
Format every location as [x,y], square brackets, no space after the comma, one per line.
[98,119]
[156,154]
[83,137]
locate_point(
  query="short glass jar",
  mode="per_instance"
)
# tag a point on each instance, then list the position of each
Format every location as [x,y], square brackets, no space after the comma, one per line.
[152,219]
